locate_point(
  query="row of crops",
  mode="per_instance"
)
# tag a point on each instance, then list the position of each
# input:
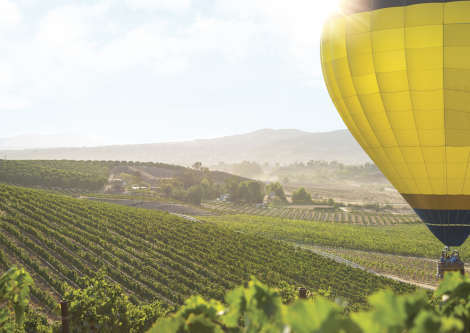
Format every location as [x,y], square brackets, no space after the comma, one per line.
[403,239]
[421,270]
[82,175]
[153,255]
[407,251]
[312,214]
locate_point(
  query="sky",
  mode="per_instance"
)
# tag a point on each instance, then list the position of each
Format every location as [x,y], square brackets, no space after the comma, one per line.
[137,71]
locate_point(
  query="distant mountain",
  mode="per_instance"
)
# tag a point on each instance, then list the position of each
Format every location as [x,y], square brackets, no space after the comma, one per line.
[41,141]
[267,145]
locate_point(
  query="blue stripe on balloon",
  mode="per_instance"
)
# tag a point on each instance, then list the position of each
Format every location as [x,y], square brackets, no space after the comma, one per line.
[357,6]
[451,227]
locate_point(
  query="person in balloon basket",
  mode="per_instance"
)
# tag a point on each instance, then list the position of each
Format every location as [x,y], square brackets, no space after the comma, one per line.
[443,257]
[453,259]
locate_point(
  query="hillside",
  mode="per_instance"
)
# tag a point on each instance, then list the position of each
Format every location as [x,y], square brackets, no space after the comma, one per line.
[94,175]
[154,255]
[58,174]
[283,146]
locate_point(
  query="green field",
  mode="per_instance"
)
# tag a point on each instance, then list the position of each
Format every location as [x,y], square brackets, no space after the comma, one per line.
[81,175]
[415,239]
[312,214]
[154,255]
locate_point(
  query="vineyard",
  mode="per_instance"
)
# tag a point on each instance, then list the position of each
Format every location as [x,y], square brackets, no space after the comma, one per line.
[312,214]
[402,239]
[153,255]
[81,175]
[421,270]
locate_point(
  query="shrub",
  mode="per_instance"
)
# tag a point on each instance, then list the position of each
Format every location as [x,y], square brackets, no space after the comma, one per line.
[301,197]
[257,308]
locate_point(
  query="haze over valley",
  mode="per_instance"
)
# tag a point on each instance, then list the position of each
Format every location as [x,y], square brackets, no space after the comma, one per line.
[272,146]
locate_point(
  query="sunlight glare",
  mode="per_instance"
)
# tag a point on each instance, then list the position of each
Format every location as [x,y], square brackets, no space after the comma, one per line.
[324,10]
[330,7]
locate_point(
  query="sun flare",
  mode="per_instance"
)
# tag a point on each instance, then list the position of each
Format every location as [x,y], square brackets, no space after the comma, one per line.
[327,9]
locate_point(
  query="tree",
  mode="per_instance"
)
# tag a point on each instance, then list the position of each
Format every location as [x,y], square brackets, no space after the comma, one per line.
[231,186]
[189,178]
[194,195]
[197,165]
[250,191]
[301,197]
[207,187]
[168,190]
[242,192]
[277,189]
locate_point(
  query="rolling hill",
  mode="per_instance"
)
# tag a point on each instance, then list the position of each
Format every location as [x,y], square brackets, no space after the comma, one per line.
[154,255]
[93,175]
[268,145]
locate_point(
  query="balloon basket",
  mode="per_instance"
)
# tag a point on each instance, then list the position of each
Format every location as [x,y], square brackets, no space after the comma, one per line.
[449,263]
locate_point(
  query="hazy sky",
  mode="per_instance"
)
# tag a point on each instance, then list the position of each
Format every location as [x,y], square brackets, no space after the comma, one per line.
[160,70]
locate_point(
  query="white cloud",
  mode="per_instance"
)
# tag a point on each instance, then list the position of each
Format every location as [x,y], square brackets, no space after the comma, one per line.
[230,39]
[147,46]
[7,77]
[168,51]
[11,102]
[165,5]
[296,23]
[10,15]
[62,27]
[75,45]
[81,64]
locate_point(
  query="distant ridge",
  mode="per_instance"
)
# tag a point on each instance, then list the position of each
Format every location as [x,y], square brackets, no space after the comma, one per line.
[266,145]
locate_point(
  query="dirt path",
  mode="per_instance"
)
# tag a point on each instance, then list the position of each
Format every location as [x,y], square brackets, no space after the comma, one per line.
[187,217]
[107,187]
[144,173]
[331,248]
[320,251]
[418,284]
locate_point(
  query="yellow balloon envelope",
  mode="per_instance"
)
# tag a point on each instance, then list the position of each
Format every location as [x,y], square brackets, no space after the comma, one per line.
[398,73]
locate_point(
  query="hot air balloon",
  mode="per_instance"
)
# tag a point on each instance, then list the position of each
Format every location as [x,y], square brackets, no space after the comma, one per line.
[398,72]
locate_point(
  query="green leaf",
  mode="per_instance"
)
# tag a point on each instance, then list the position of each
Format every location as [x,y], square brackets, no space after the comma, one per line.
[318,316]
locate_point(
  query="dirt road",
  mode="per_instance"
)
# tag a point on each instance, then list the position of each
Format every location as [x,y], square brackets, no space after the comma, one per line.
[341,260]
